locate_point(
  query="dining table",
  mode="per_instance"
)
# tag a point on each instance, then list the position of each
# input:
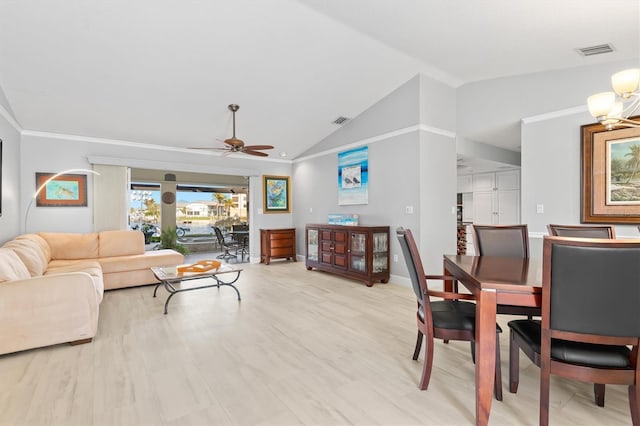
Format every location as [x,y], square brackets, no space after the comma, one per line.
[493,281]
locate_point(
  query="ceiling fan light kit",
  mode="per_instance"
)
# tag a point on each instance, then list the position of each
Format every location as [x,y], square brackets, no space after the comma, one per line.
[237,145]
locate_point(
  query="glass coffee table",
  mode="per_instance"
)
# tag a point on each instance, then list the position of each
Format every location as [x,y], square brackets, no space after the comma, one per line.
[169,277]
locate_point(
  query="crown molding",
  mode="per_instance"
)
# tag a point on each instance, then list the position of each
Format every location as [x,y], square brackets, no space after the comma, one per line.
[130,144]
[379,138]
[7,116]
[555,114]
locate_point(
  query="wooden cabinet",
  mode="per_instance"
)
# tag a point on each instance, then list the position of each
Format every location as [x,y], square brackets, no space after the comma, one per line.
[358,252]
[277,244]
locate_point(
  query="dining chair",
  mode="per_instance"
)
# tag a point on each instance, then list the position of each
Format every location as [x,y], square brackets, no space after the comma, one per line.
[452,318]
[595,340]
[226,245]
[582,231]
[504,241]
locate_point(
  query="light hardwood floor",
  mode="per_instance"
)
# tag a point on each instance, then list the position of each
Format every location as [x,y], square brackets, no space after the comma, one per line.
[300,348]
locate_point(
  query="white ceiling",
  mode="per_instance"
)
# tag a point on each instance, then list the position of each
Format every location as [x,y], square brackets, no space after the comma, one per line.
[163,72]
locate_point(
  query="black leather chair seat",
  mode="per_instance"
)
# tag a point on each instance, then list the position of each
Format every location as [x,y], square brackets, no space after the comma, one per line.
[450,314]
[591,355]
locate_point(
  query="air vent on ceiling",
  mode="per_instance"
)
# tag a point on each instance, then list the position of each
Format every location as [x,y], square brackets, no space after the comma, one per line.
[596,50]
[340,120]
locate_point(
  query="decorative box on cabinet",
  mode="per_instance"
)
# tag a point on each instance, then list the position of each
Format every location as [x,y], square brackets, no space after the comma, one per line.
[277,243]
[357,252]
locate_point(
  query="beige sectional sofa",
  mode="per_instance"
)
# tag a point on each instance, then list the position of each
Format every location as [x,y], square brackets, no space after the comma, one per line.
[51,284]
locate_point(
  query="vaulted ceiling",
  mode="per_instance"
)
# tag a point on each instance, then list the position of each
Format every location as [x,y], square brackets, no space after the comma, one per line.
[163,72]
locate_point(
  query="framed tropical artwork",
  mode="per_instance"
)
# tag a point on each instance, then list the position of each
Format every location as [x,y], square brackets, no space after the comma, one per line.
[610,175]
[277,194]
[68,190]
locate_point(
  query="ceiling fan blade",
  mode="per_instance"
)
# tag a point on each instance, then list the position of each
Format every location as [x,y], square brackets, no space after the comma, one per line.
[257,153]
[209,149]
[254,147]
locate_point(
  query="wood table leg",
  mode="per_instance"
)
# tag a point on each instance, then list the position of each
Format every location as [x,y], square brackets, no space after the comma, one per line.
[485,353]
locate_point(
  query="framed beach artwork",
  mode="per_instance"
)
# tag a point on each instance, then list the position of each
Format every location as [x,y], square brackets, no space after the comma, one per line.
[69,190]
[353,177]
[610,175]
[277,194]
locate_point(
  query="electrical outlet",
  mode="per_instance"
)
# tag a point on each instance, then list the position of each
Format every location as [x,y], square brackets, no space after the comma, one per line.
[408,210]
[395,258]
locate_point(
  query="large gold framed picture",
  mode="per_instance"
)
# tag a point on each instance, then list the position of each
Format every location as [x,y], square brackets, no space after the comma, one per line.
[610,175]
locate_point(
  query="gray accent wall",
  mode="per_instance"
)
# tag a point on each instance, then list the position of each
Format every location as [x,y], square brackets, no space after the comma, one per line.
[409,166]
[397,110]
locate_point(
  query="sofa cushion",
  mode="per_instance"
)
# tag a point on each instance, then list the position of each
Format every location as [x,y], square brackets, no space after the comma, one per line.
[91,267]
[42,243]
[11,267]
[120,243]
[31,255]
[72,246]
[140,261]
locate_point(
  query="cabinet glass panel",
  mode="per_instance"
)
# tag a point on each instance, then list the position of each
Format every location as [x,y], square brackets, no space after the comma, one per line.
[358,243]
[312,244]
[358,263]
[379,262]
[380,242]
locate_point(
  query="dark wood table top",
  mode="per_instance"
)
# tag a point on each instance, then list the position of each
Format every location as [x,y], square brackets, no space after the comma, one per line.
[500,273]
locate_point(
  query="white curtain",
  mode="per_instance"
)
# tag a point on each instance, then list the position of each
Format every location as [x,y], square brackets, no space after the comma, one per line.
[110,197]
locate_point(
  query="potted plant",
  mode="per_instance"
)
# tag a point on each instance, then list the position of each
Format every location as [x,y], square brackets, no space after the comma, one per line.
[169,240]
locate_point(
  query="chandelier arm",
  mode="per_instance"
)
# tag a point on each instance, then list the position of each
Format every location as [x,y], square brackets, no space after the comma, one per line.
[633,107]
[628,123]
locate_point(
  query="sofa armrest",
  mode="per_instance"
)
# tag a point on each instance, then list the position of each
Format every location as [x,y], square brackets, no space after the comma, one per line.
[48,310]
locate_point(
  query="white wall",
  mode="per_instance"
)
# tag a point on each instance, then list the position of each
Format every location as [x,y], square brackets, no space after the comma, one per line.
[10,167]
[53,153]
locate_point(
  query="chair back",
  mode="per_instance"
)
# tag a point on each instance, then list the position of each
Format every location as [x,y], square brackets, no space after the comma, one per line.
[582,231]
[219,236]
[501,240]
[416,271]
[241,227]
[591,287]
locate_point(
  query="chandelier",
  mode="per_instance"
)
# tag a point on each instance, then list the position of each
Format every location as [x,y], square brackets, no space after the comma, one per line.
[609,107]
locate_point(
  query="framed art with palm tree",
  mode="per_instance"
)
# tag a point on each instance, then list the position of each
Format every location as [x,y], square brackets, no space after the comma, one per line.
[610,175]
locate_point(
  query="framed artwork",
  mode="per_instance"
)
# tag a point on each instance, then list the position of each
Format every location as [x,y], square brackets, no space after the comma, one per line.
[610,175]
[277,194]
[353,176]
[68,190]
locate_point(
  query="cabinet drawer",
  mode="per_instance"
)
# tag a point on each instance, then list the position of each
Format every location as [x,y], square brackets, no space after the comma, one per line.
[284,242]
[340,249]
[286,251]
[280,235]
[340,236]
[340,261]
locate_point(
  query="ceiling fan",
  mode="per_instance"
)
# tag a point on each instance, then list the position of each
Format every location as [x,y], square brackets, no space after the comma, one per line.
[237,145]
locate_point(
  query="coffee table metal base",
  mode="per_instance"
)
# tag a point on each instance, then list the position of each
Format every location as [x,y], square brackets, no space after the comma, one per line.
[169,285]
